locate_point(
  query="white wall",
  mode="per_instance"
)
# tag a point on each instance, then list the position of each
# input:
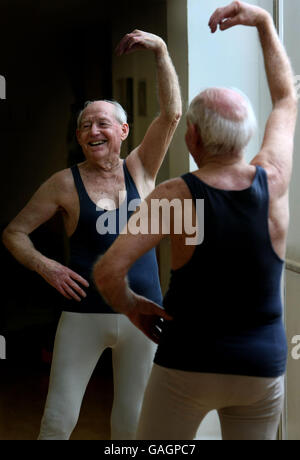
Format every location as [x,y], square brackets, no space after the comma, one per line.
[232,58]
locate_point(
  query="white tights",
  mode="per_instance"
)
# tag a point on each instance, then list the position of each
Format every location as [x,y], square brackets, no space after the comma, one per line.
[177,401]
[80,340]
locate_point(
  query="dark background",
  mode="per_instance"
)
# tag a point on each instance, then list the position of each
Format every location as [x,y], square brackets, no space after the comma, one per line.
[54,56]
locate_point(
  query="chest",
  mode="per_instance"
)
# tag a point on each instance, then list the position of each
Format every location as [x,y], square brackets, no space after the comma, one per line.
[89,197]
[107,194]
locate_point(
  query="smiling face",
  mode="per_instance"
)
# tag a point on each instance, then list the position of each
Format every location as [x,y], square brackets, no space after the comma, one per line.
[100,134]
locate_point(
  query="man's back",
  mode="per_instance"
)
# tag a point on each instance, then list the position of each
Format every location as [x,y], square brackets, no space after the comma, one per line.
[230,289]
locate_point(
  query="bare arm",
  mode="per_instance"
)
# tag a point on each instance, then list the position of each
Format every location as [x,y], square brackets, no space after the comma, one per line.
[42,206]
[277,147]
[278,144]
[149,155]
[111,270]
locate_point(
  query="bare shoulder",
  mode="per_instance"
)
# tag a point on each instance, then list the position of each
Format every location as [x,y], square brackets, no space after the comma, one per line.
[276,154]
[278,178]
[58,189]
[172,188]
[63,180]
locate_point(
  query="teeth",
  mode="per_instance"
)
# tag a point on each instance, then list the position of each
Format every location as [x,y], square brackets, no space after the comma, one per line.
[97,143]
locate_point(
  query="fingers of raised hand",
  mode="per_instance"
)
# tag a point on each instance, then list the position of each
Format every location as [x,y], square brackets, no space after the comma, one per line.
[138,39]
[124,43]
[129,43]
[225,17]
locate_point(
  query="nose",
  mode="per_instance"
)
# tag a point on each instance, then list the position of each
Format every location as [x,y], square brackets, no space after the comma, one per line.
[95,129]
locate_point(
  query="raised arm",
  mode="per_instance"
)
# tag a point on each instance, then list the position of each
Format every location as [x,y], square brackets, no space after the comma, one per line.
[276,153]
[278,143]
[149,155]
[42,206]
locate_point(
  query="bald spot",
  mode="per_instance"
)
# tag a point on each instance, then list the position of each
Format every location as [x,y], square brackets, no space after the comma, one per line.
[226,102]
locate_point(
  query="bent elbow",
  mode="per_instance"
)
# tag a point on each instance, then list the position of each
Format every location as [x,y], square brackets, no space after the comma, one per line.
[99,275]
[176,117]
[289,104]
[288,100]
[5,237]
[172,118]
[292,100]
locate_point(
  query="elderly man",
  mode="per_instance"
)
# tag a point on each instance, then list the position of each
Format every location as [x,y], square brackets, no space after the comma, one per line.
[87,194]
[223,345]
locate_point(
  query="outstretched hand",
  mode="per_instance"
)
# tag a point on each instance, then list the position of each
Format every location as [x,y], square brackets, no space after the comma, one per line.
[138,40]
[237,13]
[148,317]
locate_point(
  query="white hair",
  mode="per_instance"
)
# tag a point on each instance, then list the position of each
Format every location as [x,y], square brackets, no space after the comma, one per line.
[221,135]
[120,114]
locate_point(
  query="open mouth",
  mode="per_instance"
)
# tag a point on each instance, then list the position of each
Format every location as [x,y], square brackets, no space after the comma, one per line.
[97,143]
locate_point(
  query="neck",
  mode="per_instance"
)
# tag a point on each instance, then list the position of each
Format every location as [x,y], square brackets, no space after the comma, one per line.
[208,161]
[105,167]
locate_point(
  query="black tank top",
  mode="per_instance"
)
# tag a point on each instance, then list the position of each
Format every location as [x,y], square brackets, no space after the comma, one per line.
[87,244]
[226,301]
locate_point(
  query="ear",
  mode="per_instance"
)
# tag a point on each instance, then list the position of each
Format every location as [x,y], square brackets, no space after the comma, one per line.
[125,131]
[192,137]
